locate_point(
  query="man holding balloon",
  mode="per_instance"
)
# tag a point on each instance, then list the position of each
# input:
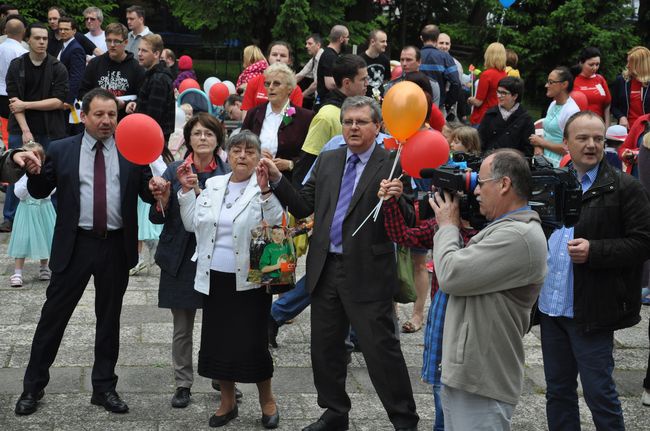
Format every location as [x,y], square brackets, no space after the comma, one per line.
[95,235]
[352,280]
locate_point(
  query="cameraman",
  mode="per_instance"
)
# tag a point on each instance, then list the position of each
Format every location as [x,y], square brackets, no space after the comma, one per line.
[594,281]
[492,285]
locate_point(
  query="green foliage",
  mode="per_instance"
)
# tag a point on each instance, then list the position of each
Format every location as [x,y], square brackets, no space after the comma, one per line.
[35,10]
[291,24]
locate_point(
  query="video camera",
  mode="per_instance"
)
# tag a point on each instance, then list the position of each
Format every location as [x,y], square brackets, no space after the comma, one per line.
[556,192]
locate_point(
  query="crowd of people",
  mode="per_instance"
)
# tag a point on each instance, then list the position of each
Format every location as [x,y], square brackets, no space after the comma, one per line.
[313,142]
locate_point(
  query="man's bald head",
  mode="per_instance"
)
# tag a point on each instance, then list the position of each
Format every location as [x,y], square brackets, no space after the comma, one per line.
[15,29]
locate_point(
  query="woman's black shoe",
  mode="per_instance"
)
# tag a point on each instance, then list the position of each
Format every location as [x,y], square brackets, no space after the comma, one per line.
[271,421]
[219,421]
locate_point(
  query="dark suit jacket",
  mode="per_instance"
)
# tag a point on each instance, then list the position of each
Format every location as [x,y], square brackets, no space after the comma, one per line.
[73,58]
[61,170]
[369,256]
[290,136]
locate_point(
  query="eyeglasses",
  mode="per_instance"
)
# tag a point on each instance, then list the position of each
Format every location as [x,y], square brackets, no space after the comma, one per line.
[111,42]
[481,182]
[268,84]
[359,123]
[203,133]
[503,93]
[90,18]
[551,82]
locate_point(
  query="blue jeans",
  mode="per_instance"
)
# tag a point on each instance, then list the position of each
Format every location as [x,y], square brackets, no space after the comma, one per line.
[292,303]
[439,424]
[566,353]
[11,201]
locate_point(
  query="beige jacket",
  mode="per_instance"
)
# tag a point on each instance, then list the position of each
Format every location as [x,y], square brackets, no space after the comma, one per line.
[492,283]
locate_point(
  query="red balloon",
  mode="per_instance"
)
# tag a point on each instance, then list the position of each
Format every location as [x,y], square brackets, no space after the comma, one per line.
[427,148]
[219,92]
[396,72]
[391,144]
[580,99]
[188,83]
[139,139]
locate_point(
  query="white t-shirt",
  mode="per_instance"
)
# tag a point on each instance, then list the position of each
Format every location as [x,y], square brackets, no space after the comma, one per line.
[223,256]
[99,40]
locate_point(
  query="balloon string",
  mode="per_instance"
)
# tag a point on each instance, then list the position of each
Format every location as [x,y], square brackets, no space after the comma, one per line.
[375,211]
[503,15]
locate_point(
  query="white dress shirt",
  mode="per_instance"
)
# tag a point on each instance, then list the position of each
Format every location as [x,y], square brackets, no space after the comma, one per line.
[269,132]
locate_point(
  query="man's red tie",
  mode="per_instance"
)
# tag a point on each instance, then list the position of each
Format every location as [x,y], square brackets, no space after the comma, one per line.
[99,191]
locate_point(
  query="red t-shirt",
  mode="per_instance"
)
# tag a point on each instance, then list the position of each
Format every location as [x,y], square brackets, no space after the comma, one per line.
[596,90]
[487,92]
[636,104]
[255,94]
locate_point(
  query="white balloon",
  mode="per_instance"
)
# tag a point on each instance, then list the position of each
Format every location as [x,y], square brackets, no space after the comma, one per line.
[231,87]
[179,120]
[209,83]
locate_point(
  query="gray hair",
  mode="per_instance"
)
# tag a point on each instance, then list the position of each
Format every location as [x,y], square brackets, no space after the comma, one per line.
[285,71]
[245,137]
[356,102]
[95,10]
[337,32]
[511,163]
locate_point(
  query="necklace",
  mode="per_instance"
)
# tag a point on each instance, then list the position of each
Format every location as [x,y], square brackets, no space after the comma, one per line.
[230,204]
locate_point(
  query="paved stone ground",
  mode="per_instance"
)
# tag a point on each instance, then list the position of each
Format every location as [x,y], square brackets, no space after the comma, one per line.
[146,377]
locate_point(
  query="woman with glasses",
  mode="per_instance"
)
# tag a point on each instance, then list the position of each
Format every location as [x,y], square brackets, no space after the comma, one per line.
[281,125]
[256,92]
[204,135]
[494,70]
[507,125]
[558,87]
[234,343]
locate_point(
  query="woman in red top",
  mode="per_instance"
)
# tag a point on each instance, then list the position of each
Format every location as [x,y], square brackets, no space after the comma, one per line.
[630,97]
[593,85]
[486,93]
[255,93]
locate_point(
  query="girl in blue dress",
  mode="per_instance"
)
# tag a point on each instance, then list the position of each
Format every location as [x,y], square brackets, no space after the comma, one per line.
[31,236]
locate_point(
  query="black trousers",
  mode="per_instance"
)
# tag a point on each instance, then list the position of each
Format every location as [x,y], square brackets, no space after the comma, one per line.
[332,311]
[105,260]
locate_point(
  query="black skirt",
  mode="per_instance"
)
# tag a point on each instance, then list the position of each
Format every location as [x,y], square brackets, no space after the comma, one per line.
[234,338]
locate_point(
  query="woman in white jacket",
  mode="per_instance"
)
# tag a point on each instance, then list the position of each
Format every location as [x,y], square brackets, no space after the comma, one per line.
[234,344]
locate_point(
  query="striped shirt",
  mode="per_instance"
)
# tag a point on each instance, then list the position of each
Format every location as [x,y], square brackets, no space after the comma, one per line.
[556,296]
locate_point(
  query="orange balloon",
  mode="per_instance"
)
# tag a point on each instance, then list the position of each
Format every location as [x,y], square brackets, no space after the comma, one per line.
[404,109]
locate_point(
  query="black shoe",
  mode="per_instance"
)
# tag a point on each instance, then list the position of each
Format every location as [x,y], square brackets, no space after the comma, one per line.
[217,387]
[321,425]
[219,421]
[181,398]
[28,403]
[271,421]
[110,400]
[6,226]
[407,429]
[273,328]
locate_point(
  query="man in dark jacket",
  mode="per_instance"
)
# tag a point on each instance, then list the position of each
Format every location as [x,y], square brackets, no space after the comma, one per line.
[593,282]
[156,95]
[37,86]
[439,66]
[507,125]
[116,71]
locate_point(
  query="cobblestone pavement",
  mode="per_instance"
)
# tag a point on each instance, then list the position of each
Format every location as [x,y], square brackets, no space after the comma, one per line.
[146,376]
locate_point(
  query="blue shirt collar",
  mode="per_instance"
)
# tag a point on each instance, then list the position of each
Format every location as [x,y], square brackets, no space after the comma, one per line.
[523,208]
[589,178]
[363,157]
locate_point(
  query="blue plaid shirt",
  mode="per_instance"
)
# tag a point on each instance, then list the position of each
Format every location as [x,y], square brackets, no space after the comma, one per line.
[432,355]
[556,296]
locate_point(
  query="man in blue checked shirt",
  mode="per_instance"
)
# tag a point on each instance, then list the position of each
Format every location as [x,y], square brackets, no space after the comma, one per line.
[593,283]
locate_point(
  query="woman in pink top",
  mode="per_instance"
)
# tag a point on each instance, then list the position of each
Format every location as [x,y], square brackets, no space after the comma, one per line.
[593,85]
[486,93]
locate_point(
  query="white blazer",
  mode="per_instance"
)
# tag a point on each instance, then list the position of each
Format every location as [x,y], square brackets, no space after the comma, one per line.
[200,214]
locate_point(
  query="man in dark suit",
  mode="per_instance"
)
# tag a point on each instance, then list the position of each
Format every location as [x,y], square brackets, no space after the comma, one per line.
[73,58]
[351,279]
[95,235]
